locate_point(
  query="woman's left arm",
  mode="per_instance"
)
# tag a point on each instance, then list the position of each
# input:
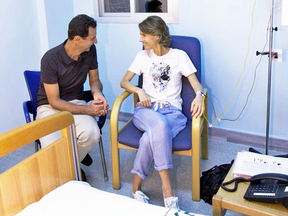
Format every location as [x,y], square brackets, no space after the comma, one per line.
[197,103]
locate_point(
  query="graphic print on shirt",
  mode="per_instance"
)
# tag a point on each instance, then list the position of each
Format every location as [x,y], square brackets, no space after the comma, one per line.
[160,76]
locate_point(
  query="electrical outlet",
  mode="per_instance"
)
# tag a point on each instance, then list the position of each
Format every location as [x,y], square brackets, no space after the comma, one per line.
[277,57]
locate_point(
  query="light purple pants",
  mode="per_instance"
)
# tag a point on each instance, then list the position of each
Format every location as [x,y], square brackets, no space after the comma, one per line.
[159,128]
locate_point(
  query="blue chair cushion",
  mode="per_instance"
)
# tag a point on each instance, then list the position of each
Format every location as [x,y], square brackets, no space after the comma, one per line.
[130,136]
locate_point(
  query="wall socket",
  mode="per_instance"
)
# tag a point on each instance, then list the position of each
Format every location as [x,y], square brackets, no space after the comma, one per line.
[277,57]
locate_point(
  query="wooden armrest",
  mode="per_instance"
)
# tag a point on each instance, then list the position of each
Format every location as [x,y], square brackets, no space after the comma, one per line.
[114,116]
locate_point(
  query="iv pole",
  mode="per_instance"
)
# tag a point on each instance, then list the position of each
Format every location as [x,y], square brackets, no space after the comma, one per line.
[270,55]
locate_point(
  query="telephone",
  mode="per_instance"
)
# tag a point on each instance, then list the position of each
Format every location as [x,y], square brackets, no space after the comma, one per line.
[268,187]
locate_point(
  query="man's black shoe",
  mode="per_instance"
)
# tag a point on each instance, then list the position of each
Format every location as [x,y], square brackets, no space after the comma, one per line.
[83,176]
[87,161]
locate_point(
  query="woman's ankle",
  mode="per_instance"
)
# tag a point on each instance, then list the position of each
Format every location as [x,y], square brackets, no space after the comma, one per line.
[136,188]
[137,183]
[167,192]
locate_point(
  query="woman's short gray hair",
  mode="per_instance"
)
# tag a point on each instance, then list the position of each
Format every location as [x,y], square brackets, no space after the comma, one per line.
[156,26]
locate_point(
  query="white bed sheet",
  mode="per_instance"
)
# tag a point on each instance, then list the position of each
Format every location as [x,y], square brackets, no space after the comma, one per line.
[79,198]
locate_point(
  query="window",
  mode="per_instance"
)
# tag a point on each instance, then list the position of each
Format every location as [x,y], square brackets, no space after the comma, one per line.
[135,11]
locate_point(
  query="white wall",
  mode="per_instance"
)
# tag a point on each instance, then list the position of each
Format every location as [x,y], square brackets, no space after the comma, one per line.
[222,26]
[58,16]
[23,42]
[20,42]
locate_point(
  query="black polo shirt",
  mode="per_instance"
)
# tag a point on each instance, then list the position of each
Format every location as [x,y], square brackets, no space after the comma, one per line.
[58,67]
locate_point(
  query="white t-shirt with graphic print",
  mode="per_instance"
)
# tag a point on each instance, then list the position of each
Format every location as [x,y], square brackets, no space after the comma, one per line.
[162,74]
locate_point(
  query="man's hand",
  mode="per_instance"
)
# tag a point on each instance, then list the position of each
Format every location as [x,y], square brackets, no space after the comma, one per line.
[97,108]
[101,103]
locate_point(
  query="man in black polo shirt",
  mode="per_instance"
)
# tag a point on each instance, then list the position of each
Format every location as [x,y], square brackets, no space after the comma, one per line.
[64,70]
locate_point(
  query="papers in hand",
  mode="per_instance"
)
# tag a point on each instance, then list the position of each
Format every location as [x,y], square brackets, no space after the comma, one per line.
[248,164]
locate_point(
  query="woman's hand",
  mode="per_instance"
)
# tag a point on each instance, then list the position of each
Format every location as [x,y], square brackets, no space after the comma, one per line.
[144,98]
[197,106]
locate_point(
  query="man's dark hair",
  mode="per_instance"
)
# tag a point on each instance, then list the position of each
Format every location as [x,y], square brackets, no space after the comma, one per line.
[79,25]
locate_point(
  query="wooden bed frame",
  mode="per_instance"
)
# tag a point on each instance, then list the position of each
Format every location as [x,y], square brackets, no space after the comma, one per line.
[40,173]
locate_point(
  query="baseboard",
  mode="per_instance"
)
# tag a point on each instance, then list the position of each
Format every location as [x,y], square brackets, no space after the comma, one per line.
[248,139]
[233,136]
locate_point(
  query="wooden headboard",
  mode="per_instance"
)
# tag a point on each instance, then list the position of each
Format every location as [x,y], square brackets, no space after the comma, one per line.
[37,175]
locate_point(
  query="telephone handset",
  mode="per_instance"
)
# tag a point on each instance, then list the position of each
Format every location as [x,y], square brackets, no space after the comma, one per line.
[273,176]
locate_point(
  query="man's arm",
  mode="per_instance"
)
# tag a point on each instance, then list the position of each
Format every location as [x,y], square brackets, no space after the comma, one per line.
[52,91]
[96,90]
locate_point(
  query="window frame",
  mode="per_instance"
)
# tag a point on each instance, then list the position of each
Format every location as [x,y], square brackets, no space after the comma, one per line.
[133,17]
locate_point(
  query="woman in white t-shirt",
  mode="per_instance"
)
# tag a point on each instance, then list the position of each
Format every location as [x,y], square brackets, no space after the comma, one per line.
[158,114]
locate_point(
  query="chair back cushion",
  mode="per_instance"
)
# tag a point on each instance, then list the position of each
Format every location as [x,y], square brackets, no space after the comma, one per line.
[32,81]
